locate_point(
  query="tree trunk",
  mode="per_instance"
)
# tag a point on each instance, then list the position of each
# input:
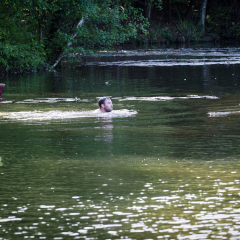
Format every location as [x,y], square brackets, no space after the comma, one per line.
[149,9]
[169,10]
[190,10]
[40,30]
[203,14]
[70,43]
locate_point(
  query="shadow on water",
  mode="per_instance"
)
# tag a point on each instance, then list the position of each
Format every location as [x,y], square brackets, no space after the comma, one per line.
[163,165]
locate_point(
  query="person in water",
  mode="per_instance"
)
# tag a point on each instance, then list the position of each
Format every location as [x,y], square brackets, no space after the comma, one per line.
[105,104]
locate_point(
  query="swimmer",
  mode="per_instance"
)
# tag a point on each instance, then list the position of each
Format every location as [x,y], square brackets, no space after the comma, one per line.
[105,105]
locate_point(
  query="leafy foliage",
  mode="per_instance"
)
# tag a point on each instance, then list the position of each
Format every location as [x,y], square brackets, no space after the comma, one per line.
[37,25]
[109,26]
[189,30]
[19,48]
[20,57]
[161,34]
[224,21]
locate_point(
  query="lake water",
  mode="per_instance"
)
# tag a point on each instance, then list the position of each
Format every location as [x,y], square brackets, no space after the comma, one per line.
[164,164]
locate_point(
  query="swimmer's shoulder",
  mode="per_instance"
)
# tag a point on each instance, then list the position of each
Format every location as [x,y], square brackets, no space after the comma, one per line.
[97,111]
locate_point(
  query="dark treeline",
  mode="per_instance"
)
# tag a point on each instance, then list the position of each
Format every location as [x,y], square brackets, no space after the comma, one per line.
[35,34]
[200,20]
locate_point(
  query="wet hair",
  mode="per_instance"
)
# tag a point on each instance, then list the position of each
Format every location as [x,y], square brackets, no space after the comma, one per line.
[102,101]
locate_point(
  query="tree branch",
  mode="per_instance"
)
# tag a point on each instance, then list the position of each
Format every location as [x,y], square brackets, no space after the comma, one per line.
[80,23]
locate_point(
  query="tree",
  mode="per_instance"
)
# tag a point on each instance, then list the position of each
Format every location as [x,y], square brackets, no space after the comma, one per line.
[203,14]
[190,10]
[47,27]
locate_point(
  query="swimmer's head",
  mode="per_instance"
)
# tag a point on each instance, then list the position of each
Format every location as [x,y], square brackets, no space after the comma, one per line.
[105,104]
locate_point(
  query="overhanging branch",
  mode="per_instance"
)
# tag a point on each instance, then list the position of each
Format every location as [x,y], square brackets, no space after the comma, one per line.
[80,23]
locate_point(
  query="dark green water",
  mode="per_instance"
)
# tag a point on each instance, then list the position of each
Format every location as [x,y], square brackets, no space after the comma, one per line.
[165,167]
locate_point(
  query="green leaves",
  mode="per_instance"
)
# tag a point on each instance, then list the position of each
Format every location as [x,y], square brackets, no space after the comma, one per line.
[32,31]
[189,30]
[108,26]
[20,57]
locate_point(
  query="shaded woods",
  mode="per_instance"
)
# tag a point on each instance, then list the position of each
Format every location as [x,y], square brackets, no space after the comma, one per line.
[36,34]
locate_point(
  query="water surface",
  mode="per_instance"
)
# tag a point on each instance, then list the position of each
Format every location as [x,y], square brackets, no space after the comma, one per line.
[163,165]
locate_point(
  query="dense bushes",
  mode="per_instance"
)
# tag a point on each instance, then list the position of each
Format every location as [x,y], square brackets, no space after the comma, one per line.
[20,57]
[107,27]
[34,32]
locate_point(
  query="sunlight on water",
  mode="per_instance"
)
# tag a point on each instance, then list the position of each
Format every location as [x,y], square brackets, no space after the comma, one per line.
[199,202]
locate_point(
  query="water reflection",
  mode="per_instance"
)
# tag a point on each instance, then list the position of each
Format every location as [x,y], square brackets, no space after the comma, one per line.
[106,120]
[105,135]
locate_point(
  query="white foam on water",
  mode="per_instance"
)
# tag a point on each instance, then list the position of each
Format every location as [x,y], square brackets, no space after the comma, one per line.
[56,114]
[172,62]
[4,101]
[222,114]
[166,98]
[52,100]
